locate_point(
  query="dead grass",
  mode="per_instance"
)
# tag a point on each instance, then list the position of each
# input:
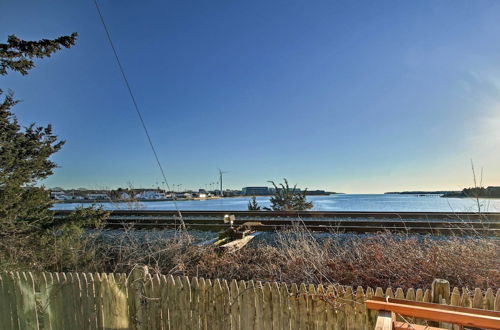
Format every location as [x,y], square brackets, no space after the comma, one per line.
[296,255]
[376,260]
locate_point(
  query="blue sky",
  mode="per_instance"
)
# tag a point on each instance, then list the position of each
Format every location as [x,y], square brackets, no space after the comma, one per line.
[352,96]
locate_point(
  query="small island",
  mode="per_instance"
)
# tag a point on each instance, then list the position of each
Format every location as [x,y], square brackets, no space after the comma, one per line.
[488,192]
[443,192]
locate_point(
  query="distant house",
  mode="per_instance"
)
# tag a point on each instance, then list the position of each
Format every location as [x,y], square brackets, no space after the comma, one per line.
[59,195]
[124,195]
[151,195]
[255,191]
[95,197]
[53,194]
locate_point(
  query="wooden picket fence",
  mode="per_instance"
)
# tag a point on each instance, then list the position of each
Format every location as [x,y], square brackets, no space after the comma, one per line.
[144,301]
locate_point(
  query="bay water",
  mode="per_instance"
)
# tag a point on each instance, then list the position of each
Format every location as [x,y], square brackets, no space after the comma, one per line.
[336,202]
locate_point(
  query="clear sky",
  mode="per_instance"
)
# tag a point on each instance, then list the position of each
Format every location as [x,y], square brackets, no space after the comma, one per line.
[351,96]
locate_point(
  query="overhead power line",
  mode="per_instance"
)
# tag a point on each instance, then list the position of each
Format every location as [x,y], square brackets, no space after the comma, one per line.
[136,106]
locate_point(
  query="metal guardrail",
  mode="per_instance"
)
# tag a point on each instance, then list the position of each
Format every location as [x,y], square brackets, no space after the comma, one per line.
[306,214]
[359,222]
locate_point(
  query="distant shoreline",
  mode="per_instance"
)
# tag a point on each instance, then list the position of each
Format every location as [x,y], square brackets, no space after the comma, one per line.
[442,194]
[471,197]
[90,201]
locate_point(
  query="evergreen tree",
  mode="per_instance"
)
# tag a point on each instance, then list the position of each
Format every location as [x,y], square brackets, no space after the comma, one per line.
[24,160]
[289,199]
[17,55]
[27,224]
[252,204]
[24,153]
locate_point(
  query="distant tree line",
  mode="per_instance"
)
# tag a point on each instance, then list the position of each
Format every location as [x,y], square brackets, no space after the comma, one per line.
[489,192]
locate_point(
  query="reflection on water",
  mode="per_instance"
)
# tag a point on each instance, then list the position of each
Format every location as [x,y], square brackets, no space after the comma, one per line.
[341,202]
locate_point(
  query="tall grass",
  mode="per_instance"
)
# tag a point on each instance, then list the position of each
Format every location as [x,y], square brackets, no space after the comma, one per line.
[381,259]
[296,255]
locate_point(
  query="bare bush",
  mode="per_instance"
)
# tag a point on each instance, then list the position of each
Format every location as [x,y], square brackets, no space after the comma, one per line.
[167,252]
[294,255]
[381,259]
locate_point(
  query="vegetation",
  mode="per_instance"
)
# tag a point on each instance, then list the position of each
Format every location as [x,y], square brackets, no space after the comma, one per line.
[289,199]
[253,205]
[17,55]
[32,238]
[296,255]
[474,192]
[28,229]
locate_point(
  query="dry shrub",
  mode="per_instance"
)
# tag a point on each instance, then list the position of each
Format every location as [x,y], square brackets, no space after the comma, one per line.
[381,259]
[296,255]
[166,252]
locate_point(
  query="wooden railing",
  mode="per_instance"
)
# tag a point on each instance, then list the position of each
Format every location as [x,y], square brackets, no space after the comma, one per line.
[150,301]
[395,314]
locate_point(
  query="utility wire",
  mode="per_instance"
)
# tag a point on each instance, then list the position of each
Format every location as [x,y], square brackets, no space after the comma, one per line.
[136,106]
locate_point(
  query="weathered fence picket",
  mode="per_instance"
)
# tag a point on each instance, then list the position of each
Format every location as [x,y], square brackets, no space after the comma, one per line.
[11,321]
[52,301]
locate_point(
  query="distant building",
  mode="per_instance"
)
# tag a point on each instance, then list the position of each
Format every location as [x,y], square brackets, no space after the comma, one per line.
[255,191]
[183,195]
[231,193]
[124,195]
[97,196]
[151,194]
[59,195]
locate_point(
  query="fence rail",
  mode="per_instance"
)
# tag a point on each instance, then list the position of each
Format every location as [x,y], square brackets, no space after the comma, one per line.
[145,301]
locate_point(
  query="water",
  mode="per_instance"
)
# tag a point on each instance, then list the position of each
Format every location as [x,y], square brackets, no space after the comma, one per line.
[341,202]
